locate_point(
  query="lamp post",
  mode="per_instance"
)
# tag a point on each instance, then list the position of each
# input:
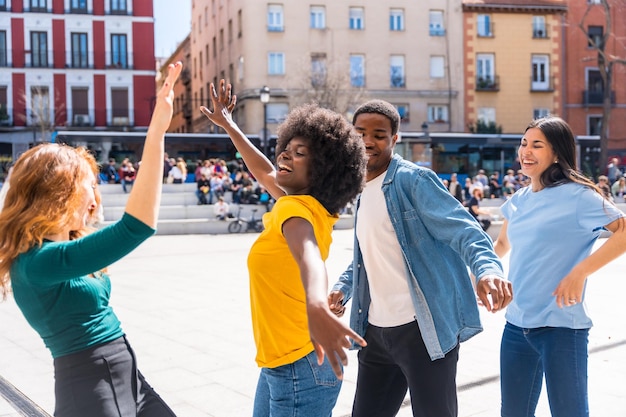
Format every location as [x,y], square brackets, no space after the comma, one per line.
[264,95]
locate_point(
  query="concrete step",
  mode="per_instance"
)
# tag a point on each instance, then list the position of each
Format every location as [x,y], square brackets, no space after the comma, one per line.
[173,212]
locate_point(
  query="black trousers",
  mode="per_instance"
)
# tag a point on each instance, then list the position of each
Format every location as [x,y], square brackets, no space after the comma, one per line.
[103,381]
[395,359]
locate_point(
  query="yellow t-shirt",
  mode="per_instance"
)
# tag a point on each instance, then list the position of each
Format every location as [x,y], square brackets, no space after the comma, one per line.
[277,298]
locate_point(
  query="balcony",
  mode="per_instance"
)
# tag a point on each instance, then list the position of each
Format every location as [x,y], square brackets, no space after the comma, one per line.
[546,86]
[596,98]
[398,81]
[540,32]
[488,83]
[435,31]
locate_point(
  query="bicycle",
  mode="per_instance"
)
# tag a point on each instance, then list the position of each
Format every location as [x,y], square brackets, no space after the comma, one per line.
[252,224]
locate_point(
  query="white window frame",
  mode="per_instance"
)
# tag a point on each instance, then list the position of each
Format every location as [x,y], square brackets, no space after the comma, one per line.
[484,25]
[396,19]
[540,113]
[397,69]
[357,70]
[435,23]
[539,27]
[404,110]
[276,63]
[357,18]
[275,18]
[438,113]
[437,66]
[485,66]
[486,114]
[540,72]
[318,17]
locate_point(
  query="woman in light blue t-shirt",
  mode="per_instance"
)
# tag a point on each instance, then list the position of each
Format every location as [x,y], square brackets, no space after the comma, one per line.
[550,228]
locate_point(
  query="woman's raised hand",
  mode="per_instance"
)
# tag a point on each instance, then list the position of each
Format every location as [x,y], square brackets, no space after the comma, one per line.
[223,102]
[164,109]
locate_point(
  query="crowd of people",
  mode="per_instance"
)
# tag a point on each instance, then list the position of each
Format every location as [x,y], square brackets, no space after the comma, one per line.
[416,241]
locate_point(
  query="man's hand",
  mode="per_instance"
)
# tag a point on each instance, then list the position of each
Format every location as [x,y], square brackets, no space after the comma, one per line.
[335,303]
[494,292]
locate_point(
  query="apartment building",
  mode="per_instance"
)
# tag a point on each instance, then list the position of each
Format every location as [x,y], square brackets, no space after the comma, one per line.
[74,65]
[584,88]
[182,116]
[336,52]
[514,62]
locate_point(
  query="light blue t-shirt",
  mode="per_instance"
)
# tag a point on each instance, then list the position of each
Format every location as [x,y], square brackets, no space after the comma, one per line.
[550,231]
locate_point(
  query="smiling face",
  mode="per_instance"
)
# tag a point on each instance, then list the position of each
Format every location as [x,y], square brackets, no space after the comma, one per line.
[293,167]
[535,155]
[378,140]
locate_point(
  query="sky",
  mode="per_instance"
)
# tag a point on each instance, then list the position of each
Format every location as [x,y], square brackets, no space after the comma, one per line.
[172,24]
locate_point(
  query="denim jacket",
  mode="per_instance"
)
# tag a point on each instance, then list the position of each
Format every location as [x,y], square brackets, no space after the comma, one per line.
[439,240]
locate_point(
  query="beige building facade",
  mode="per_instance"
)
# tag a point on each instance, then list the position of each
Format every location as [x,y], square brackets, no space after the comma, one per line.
[336,52]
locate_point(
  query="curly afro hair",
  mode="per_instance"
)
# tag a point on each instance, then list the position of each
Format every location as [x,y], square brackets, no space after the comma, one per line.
[337,171]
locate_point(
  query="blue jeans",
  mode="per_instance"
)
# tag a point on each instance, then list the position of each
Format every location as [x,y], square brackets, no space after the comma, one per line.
[559,353]
[299,389]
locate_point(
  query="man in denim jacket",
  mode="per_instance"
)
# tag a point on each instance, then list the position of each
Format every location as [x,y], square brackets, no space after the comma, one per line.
[412,296]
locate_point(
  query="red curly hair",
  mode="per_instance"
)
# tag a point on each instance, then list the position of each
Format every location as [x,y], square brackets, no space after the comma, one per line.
[42,199]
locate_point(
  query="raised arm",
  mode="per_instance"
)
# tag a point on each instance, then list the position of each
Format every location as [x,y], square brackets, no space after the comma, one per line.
[145,198]
[222,115]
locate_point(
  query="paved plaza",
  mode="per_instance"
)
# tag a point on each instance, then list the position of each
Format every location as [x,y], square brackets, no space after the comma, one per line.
[183,302]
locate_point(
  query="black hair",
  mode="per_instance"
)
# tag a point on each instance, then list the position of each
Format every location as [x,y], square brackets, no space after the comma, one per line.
[337,170]
[383,108]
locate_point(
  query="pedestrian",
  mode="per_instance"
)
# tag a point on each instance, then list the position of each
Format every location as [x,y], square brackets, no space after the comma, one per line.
[473,206]
[550,228]
[57,268]
[412,297]
[455,187]
[320,167]
[613,171]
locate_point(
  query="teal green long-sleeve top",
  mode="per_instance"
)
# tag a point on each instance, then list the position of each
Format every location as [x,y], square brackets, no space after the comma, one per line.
[64,296]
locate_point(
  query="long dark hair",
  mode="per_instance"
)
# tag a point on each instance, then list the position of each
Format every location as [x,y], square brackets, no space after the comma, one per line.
[560,136]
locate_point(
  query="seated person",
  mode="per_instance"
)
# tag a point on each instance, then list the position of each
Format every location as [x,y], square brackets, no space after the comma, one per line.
[203,189]
[221,209]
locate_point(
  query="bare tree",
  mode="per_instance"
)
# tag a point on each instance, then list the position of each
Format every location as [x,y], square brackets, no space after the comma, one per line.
[42,115]
[329,85]
[606,63]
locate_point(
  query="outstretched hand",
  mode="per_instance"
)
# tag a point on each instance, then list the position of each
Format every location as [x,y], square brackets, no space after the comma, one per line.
[495,293]
[330,337]
[164,109]
[223,102]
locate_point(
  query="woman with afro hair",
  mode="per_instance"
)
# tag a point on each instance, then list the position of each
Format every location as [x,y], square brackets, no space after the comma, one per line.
[301,345]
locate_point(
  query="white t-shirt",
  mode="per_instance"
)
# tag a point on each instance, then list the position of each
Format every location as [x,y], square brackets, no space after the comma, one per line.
[387,276]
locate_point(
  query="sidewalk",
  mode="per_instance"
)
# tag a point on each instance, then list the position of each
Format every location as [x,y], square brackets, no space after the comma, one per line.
[183,302]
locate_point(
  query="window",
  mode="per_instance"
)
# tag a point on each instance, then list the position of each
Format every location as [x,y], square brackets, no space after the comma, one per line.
[38,6]
[39,49]
[485,74]
[540,113]
[40,105]
[357,18]
[396,70]
[318,70]
[119,105]
[276,63]
[221,39]
[118,6]
[230,30]
[540,72]
[5,117]
[594,125]
[594,1]
[3,49]
[3,5]
[214,47]
[403,110]
[240,68]
[437,67]
[318,17]
[396,19]
[79,50]
[78,6]
[357,70]
[539,27]
[435,23]
[487,115]
[239,23]
[80,107]
[206,54]
[484,28]
[438,113]
[119,56]
[595,34]
[275,21]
